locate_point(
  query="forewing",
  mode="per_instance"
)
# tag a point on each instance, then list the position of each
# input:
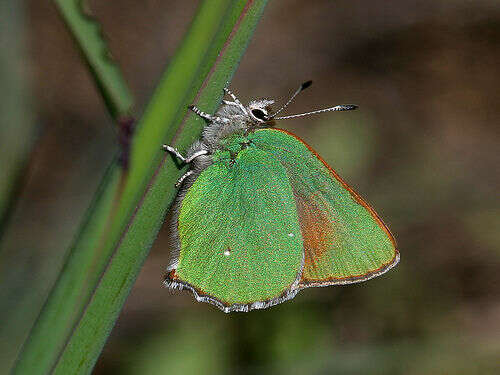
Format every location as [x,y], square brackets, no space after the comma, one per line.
[344,239]
[240,240]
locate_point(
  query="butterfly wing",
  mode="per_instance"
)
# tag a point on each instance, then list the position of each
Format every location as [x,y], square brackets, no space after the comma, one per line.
[240,244]
[344,239]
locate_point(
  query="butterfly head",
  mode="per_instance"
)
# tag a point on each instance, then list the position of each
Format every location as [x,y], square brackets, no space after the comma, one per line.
[260,114]
[260,110]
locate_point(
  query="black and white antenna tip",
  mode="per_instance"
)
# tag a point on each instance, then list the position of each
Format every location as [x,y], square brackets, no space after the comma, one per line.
[305,85]
[347,107]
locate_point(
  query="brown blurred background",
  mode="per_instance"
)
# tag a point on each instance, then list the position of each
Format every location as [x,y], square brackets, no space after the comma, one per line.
[422,148]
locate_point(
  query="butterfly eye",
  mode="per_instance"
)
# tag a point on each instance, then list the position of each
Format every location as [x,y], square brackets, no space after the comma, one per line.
[259,114]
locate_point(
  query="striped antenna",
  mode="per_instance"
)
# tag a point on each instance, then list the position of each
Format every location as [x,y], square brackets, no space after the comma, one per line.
[304,86]
[346,107]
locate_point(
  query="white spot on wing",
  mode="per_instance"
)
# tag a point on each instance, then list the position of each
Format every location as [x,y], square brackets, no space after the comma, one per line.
[227,253]
[290,234]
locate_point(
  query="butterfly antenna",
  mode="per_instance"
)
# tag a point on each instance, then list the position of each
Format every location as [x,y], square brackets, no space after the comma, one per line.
[304,86]
[347,107]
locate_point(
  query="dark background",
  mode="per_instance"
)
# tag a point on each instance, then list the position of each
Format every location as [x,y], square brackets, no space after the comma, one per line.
[422,148]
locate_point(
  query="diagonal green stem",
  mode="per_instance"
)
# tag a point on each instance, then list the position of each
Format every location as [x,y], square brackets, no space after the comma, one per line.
[107,75]
[17,137]
[128,211]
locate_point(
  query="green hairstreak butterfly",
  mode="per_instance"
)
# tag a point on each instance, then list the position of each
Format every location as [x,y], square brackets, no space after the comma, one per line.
[260,215]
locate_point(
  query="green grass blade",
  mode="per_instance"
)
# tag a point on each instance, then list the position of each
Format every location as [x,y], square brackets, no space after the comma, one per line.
[72,287]
[19,136]
[107,74]
[109,251]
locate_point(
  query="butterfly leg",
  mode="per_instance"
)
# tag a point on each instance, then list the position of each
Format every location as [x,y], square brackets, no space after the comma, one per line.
[173,151]
[189,159]
[183,177]
[236,100]
[207,116]
[178,155]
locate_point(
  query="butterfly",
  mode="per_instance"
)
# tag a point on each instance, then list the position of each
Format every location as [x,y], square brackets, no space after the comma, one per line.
[260,215]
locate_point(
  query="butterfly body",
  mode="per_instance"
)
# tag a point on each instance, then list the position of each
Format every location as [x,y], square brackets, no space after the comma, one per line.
[260,216]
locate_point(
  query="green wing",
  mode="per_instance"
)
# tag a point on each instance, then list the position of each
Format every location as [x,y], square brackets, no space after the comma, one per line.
[344,239]
[240,239]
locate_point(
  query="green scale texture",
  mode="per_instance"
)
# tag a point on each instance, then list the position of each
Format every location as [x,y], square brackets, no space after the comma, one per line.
[268,206]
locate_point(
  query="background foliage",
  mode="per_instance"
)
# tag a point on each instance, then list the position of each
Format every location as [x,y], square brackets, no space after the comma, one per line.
[421,149]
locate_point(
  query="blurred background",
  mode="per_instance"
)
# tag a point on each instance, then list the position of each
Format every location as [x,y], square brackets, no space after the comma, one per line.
[422,149]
